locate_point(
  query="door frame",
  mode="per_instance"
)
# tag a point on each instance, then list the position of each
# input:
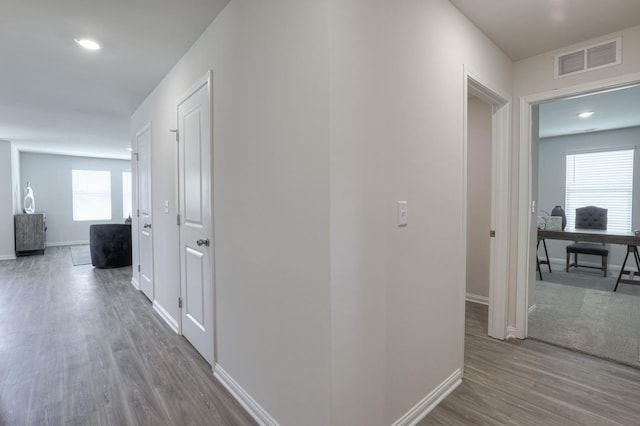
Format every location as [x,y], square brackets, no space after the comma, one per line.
[206,79]
[475,84]
[135,225]
[525,178]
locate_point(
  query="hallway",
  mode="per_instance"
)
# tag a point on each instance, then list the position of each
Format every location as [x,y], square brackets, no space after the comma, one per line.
[80,346]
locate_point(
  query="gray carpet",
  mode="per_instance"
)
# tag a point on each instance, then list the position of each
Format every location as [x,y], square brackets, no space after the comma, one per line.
[80,254]
[580,311]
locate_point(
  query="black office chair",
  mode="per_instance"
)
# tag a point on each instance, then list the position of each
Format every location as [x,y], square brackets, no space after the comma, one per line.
[590,217]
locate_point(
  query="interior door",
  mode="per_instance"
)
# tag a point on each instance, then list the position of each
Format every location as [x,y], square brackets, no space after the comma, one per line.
[145,236]
[196,236]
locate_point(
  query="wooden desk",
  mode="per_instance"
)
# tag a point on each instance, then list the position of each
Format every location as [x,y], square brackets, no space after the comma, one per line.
[629,239]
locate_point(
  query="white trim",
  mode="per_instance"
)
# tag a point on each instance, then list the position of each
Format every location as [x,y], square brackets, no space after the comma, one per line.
[429,402]
[171,321]
[134,283]
[483,300]
[511,333]
[258,413]
[532,309]
[525,176]
[8,257]
[68,243]
[500,194]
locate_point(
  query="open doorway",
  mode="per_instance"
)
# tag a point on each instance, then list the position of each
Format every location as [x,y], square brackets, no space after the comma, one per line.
[535,197]
[486,220]
[588,161]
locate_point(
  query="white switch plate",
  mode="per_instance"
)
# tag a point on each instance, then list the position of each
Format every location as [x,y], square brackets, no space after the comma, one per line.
[166,206]
[403,214]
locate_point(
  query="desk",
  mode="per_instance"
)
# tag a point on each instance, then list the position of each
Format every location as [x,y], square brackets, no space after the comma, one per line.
[629,239]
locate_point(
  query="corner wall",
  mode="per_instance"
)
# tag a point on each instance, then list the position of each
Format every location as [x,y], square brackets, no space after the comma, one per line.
[397,293]
[270,199]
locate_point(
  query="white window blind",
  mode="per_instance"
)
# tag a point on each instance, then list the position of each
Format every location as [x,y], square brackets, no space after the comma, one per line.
[601,179]
[91,191]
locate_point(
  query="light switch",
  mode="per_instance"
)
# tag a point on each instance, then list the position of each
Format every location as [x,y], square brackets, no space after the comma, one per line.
[402,213]
[166,206]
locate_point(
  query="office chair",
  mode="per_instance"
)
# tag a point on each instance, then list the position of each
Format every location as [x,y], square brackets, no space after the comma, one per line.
[589,217]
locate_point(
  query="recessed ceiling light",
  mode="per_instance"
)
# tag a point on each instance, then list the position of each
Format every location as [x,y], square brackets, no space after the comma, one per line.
[585,114]
[88,44]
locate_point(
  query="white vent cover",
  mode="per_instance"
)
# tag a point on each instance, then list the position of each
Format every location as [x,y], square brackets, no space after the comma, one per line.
[589,58]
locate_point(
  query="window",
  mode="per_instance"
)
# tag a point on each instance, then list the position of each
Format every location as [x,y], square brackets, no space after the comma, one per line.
[91,194]
[602,179]
[126,194]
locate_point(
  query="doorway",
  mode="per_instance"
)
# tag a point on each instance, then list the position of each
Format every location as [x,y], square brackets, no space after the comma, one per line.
[587,161]
[144,212]
[527,208]
[497,235]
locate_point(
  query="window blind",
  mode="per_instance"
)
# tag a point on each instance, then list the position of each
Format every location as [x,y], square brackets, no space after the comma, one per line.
[603,179]
[91,190]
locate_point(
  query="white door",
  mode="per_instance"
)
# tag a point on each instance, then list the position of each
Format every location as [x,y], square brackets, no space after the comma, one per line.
[145,236]
[196,227]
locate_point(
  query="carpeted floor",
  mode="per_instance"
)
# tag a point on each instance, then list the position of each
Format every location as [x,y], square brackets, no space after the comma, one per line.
[80,254]
[580,311]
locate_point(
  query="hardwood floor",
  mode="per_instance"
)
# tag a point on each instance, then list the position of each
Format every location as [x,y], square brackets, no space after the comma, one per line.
[80,346]
[533,383]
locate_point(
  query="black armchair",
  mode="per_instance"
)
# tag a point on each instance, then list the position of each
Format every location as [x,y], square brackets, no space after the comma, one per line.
[590,217]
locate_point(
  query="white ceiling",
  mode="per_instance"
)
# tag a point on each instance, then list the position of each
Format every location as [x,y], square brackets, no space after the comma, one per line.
[612,109]
[524,28]
[57,97]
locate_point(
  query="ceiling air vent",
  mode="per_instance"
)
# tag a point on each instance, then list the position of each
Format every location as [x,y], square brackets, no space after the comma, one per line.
[589,58]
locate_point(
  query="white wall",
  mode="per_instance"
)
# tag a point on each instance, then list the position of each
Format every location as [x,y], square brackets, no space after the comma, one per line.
[478,196]
[50,178]
[551,178]
[7,210]
[271,199]
[535,75]
[325,114]
[397,294]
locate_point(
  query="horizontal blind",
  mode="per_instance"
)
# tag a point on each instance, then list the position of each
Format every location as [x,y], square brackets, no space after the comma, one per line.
[91,191]
[601,179]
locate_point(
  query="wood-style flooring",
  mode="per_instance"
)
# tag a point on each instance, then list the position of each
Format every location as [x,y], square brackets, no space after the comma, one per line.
[526,382]
[80,346]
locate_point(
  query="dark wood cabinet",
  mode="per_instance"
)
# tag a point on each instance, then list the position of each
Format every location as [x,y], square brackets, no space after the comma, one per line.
[30,232]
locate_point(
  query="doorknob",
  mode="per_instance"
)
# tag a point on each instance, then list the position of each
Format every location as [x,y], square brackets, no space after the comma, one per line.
[147,225]
[204,242]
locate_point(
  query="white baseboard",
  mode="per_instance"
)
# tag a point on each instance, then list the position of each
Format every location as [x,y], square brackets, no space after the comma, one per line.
[258,413]
[477,299]
[8,257]
[532,308]
[67,243]
[173,323]
[511,333]
[135,284]
[429,402]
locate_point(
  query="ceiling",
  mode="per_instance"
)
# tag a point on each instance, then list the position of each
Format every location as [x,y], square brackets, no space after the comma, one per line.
[58,97]
[612,109]
[524,28]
